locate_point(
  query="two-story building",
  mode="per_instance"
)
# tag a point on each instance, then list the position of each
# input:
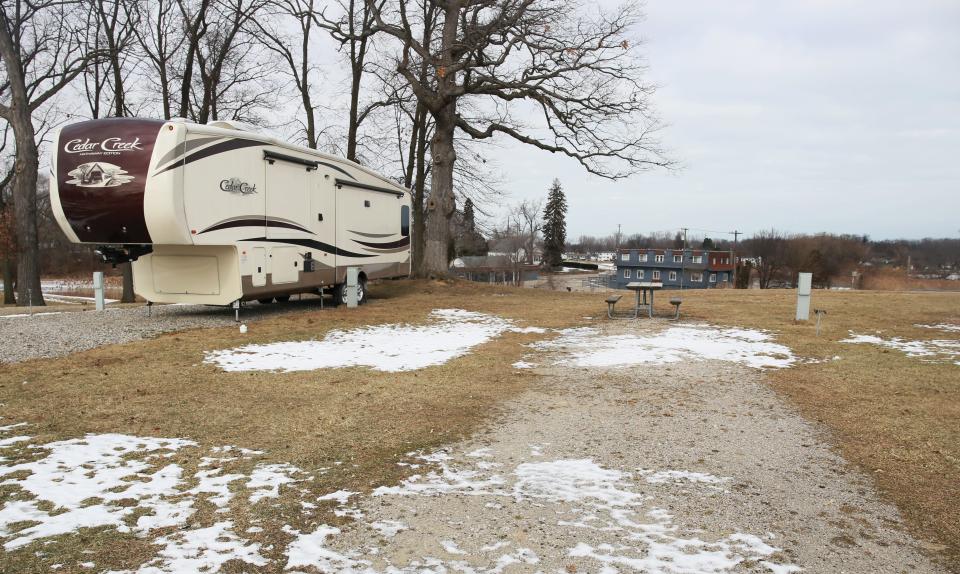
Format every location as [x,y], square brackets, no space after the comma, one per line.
[693,268]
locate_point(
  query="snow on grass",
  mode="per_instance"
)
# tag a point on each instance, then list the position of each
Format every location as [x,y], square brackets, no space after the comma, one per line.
[948,327]
[266,480]
[127,483]
[392,347]
[40,314]
[589,348]
[936,350]
[524,365]
[78,471]
[202,550]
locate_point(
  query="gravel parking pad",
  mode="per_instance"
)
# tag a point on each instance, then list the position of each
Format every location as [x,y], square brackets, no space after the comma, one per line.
[58,334]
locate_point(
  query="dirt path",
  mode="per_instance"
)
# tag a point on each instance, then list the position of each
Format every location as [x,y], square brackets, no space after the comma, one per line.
[686,467]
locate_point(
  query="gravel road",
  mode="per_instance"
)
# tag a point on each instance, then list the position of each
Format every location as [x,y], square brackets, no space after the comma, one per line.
[686,467]
[55,334]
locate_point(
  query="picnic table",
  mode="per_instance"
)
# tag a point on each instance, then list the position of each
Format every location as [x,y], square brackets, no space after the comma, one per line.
[644,287]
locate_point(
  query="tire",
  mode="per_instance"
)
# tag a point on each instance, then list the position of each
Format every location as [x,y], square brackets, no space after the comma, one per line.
[266,301]
[340,293]
[282,298]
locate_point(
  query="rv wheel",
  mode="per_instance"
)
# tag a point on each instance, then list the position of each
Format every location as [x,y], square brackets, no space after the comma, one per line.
[266,301]
[340,295]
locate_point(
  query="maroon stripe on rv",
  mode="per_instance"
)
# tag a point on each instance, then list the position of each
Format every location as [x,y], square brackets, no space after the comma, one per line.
[398,243]
[101,170]
[253,222]
[215,149]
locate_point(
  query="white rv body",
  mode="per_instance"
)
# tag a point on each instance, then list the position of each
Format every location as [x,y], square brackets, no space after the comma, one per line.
[227,214]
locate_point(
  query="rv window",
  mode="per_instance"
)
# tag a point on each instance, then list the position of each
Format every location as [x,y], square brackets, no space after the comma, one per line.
[405,221]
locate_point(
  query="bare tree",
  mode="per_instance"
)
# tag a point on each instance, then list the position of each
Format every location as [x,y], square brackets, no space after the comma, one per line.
[495,62]
[528,215]
[8,237]
[157,36]
[111,24]
[294,51]
[770,250]
[41,46]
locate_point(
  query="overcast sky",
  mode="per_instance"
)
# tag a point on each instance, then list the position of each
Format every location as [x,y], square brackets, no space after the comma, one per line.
[831,115]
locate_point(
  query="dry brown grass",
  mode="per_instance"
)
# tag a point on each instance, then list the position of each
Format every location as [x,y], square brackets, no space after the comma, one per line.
[895,416]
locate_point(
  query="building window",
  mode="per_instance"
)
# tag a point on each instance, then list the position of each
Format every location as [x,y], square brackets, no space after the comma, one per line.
[626,273]
[643,257]
[697,258]
[625,257]
[713,277]
[658,258]
[673,275]
[723,277]
[696,277]
[678,258]
[639,273]
[656,274]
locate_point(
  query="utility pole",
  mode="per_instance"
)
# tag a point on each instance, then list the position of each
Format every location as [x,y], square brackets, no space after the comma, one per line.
[733,258]
[683,256]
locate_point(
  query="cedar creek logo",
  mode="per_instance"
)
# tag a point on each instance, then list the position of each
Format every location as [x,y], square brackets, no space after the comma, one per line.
[108,145]
[234,185]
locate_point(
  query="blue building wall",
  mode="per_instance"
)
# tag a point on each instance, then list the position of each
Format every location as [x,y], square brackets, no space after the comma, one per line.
[692,267]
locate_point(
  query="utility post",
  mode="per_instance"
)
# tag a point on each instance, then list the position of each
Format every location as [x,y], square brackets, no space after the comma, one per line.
[683,257]
[733,258]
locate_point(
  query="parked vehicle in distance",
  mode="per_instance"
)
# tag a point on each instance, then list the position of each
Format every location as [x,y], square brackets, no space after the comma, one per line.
[216,213]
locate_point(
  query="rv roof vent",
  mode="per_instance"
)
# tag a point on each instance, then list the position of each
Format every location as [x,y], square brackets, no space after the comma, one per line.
[232,125]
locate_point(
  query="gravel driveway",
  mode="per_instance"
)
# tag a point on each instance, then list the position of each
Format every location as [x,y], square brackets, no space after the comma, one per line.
[687,467]
[55,334]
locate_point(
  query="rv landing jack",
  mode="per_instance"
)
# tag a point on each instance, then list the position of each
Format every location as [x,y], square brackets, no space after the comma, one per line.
[236,311]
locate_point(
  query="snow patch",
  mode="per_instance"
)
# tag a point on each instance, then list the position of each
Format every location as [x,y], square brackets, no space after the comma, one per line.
[948,327]
[589,348]
[932,351]
[392,347]
[680,476]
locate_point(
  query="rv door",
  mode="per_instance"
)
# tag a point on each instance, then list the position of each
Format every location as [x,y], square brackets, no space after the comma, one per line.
[288,199]
[323,214]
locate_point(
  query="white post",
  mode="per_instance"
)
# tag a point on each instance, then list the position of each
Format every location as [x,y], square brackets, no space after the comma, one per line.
[353,274]
[803,296]
[98,289]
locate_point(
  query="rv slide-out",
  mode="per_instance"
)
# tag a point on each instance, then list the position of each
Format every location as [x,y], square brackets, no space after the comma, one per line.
[214,214]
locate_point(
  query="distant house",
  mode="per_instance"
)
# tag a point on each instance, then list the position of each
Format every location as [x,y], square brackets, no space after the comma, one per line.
[693,268]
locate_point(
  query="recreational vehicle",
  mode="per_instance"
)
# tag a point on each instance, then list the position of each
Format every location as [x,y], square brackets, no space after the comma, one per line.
[217,214]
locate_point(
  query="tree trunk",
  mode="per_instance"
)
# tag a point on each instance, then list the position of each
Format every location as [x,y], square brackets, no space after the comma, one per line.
[128,295]
[9,275]
[419,192]
[25,212]
[440,207]
[25,176]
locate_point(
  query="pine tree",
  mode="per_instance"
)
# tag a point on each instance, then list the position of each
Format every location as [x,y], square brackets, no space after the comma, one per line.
[468,222]
[554,225]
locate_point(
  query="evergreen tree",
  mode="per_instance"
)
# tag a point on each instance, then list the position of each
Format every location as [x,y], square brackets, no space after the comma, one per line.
[468,222]
[708,244]
[554,225]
